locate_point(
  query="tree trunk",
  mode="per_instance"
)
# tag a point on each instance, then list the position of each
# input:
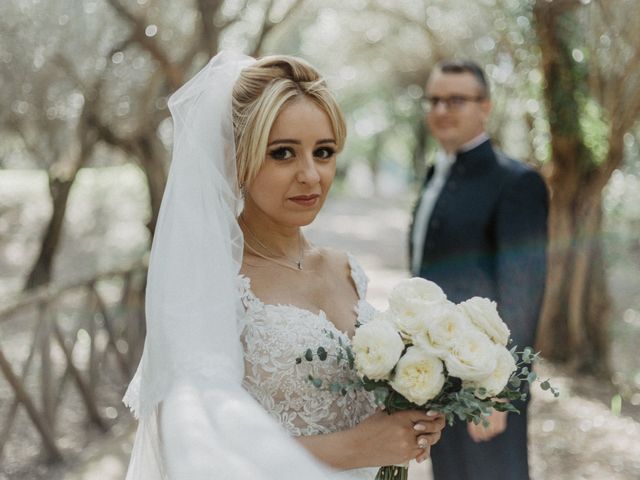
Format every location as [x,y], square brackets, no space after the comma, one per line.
[59,188]
[419,149]
[41,270]
[575,315]
[374,160]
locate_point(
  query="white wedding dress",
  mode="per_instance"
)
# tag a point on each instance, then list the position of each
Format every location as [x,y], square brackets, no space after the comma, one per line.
[274,336]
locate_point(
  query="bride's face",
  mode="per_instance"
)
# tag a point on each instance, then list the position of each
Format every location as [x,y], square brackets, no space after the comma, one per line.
[299,166]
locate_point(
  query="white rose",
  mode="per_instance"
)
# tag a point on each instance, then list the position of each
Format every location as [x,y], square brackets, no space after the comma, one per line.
[377,348]
[497,380]
[484,314]
[411,304]
[419,376]
[471,355]
[416,290]
[445,324]
[408,321]
[382,316]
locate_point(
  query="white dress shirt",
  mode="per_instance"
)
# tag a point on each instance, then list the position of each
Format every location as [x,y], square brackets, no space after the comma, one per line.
[442,167]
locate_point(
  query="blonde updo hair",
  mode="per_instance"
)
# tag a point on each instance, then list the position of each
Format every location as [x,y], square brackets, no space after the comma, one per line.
[259,95]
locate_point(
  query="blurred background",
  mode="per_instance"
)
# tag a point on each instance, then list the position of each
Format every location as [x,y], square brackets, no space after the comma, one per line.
[85,139]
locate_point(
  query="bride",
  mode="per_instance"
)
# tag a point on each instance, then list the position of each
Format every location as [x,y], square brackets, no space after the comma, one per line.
[236,293]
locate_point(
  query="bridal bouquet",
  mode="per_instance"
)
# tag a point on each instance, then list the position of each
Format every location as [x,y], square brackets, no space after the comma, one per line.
[425,352]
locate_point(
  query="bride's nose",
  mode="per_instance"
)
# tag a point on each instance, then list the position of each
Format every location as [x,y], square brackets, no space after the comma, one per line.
[308,170]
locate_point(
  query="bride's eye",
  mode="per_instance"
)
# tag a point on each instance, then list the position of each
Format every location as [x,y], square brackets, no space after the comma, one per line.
[324,153]
[282,153]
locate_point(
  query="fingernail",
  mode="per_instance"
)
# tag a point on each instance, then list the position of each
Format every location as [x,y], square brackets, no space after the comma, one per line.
[432,413]
[420,460]
[419,427]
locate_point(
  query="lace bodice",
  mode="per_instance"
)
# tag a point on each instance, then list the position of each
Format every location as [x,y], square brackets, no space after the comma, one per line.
[274,336]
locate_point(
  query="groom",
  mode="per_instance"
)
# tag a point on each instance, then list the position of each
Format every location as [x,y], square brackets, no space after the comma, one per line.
[479,229]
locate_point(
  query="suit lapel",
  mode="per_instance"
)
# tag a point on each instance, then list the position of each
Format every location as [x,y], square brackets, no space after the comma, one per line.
[428,176]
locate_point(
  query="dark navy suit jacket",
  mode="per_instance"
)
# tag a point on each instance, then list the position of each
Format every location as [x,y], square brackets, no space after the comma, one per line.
[487,237]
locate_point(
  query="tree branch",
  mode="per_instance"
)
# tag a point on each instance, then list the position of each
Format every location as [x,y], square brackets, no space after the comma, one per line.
[107,135]
[402,16]
[268,25]
[235,19]
[557,7]
[15,124]
[174,74]
[209,31]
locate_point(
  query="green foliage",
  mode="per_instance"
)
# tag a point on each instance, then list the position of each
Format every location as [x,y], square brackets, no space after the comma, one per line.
[454,401]
[393,472]
[343,356]
[574,111]
[322,353]
[595,127]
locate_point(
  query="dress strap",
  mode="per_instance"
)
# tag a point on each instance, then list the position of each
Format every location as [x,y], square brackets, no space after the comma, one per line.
[358,276]
[248,298]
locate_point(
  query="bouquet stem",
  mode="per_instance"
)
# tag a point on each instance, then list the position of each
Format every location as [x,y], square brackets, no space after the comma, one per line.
[393,473]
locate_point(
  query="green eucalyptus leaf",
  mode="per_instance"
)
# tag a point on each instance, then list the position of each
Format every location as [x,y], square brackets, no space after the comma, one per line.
[322,353]
[350,357]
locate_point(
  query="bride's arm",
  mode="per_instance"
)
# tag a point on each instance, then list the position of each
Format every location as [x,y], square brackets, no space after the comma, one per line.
[379,440]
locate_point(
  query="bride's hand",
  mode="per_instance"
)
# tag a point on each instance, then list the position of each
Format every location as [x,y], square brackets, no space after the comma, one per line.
[385,439]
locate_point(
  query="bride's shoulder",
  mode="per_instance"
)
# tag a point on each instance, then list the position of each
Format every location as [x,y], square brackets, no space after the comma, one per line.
[339,261]
[334,258]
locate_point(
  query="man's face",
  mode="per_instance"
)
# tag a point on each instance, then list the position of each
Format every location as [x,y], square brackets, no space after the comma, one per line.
[462,115]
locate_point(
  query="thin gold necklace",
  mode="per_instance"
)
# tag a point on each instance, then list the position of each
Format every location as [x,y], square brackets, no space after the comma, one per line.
[274,258]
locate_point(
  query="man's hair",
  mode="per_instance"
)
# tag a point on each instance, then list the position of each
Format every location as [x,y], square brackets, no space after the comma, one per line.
[465,66]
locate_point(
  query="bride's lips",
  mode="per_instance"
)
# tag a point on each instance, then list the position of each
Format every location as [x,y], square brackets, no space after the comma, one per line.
[305,200]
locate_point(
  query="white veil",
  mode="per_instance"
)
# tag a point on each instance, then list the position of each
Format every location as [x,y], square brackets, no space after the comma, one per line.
[195,419]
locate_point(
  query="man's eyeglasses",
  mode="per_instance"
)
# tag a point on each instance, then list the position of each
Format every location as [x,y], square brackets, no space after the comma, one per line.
[452,103]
